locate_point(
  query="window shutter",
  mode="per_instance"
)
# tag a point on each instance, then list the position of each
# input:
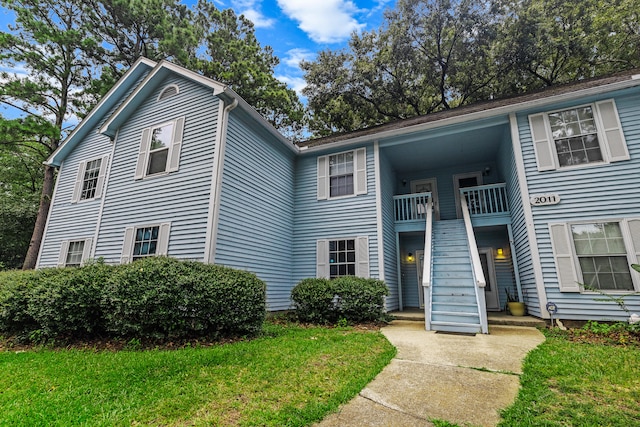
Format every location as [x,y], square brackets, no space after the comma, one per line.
[127,245]
[176,145]
[322,259]
[362,256]
[542,142]
[634,231]
[77,189]
[101,176]
[612,131]
[64,249]
[143,154]
[163,238]
[86,250]
[323,176]
[563,253]
[360,171]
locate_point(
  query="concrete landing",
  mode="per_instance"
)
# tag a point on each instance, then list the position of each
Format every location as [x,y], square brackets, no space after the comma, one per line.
[465,380]
[493,317]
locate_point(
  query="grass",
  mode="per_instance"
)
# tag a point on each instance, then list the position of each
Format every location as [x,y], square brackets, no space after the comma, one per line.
[569,383]
[290,376]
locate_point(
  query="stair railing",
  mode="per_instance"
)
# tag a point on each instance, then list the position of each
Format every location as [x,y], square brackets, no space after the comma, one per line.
[427,267]
[478,274]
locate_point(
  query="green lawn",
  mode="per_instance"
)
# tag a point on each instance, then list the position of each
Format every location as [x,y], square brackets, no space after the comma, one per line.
[578,384]
[290,376]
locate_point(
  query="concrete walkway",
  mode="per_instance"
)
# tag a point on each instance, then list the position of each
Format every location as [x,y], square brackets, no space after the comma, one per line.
[465,380]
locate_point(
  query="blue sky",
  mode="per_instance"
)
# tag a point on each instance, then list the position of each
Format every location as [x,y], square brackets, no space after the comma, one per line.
[296,29]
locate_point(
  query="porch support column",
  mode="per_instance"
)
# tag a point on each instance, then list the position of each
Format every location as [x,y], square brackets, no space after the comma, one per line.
[514,260]
[399,272]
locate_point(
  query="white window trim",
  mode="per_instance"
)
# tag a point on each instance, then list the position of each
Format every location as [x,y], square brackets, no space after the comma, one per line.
[82,169]
[64,251]
[162,93]
[359,175]
[632,249]
[361,244]
[129,238]
[544,144]
[173,155]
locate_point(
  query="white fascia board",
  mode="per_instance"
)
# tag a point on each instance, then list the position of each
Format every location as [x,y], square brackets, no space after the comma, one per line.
[478,115]
[258,117]
[162,65]
[142,61]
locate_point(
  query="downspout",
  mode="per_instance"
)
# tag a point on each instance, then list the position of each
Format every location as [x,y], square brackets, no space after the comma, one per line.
[216,183]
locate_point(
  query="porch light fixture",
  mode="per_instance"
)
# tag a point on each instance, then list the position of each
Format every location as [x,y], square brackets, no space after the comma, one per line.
[410,257]
[499,253]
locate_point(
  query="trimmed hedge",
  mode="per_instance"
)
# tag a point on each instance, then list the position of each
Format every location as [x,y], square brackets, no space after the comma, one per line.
[354,299]
[156,297]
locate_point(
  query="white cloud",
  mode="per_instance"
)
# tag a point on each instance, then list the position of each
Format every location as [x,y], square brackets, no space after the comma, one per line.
[295,56]
[324,21]
[251,10]
[295,83]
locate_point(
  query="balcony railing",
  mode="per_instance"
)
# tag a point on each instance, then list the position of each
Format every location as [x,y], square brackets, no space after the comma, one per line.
[486,199]
[411,207]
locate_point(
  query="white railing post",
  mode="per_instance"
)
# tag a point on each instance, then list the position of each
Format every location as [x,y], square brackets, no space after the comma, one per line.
[426,266]
[478,274]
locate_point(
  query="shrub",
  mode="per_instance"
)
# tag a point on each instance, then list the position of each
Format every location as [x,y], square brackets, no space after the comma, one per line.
[161,297]
[352,298]
[66,301]
[314,300]
[360,299]
[15,290]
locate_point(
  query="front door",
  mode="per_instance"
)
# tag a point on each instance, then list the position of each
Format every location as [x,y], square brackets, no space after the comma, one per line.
[464,180]
[491,288]
[428,186]
[420,268]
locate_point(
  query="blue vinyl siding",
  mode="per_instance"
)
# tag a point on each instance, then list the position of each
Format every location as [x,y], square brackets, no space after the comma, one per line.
[498,238]
[605,191]
[387,185]
[180,197]
[256,208]
[507,165]
[70,221]
[410,243]
[334,218]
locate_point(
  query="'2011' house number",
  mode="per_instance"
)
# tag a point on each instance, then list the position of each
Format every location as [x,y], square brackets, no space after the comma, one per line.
[544,199]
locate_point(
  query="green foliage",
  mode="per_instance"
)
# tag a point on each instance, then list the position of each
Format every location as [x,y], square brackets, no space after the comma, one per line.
[161,297]
[353,299]
[152,298]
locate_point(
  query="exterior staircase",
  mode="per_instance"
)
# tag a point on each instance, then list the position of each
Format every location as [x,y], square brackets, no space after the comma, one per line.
[453,299]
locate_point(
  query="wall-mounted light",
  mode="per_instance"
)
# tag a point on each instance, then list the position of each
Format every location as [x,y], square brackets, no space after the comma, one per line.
[499,253]
[410,257]
[486,171]
[404,182]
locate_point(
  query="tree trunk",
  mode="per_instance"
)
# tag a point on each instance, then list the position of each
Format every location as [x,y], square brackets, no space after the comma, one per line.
[41,220]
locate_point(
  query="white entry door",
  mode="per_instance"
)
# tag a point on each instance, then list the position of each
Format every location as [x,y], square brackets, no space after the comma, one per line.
[491,289]
[428,186]
[420,268]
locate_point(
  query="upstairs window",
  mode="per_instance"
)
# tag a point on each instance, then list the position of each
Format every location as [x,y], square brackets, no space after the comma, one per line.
[160,149]
[168,92]
[90,179]
[342,174]
[578,136]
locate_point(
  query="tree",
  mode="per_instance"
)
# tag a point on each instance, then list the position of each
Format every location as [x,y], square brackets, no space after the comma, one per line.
[51,43]
[428,56]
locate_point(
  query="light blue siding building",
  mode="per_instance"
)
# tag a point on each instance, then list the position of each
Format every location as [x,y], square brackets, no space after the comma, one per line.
[537,196]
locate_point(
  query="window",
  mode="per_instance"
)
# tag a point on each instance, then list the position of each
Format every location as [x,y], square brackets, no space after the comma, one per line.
[602,255]
[343,257]
[342,174]
[144,241]
[575,136]
[90,179]
[597,254]
[168,92]
[73,253]
[160,149]
[578,136]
